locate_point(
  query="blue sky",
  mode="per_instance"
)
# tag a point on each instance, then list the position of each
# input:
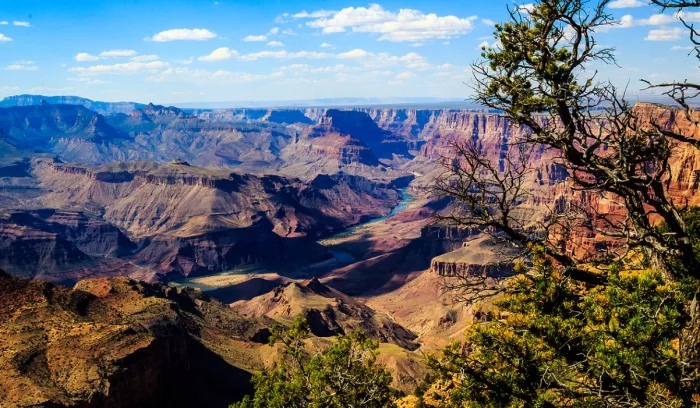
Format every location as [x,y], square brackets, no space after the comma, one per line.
[207,51]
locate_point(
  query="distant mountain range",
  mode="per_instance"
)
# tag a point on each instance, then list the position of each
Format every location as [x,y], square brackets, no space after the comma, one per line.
[107,108]
[104,108]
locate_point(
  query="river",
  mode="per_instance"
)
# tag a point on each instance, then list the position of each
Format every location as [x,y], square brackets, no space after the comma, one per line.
[340,258]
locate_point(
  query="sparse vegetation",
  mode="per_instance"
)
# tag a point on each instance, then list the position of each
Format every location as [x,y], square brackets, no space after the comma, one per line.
[343,375]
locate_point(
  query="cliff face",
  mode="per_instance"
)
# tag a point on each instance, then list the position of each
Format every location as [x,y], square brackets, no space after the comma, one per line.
[121,343]
[169,221]
[328,313]
[57,245]
[149,199]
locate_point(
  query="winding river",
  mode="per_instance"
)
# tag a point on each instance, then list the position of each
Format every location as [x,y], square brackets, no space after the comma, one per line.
[340,258]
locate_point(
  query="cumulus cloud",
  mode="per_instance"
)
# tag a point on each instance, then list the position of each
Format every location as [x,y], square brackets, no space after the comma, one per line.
[304,14]
[4,38]
[85,57]
[664,34]
[356,53]
[219,54]
[660,19]
[254,38]
[245,77]
[183,34]
[145,58]
[188,61]
[124,68]
[526,8]
[4,22]
[333,69]
[286,55]
[176,74]
[275,44]
[404,25]
[411,60]
[273,31]
[118,53]
[21,23]
[22,66]
[327,45]
[89,80]
[618,4]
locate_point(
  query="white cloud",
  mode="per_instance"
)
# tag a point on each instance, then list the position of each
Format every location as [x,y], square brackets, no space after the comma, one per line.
[327,45]
[180,73]
[254,38]
[3,38]
[303,68]
[22,66]
[85,57]
[145,58]
[371,60]
[445,66]
[275,44]
[288,31]
[356,53]
[188,61]
[89,80]
[118,53]
[245,77]
[628,21]
[4,22]
[665,34]
[484,44]
[304,14]
[273,31]
[286,55]
[488,22]
[526,8]
[679,48]
[404,75]
[619,4]
[124,68]
[21,23]
[183,34]
[334,69]
[404,25]
[219,54]
[296,67]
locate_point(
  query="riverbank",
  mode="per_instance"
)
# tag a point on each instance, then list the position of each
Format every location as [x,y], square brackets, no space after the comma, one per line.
[220,281]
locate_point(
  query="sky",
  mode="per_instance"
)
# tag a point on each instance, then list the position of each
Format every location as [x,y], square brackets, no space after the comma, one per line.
[179,51]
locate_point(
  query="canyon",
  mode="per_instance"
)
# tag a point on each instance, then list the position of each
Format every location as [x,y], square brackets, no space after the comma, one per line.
[169,240]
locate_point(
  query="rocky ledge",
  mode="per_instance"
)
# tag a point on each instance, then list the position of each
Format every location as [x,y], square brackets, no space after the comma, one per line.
[121,343]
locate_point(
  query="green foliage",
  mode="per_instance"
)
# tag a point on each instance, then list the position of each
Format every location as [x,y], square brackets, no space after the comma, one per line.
[558,343]
[343,375]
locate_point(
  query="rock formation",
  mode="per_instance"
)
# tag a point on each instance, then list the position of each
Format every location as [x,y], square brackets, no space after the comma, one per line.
[328,312]
[122,343]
